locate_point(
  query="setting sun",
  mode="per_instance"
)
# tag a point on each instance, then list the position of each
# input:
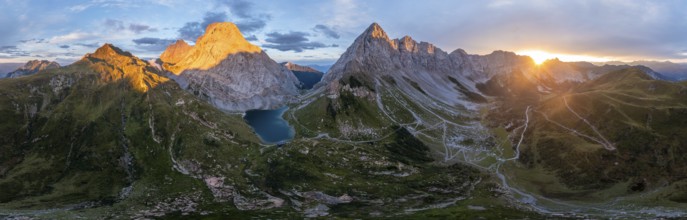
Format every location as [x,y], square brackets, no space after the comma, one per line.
[540,56]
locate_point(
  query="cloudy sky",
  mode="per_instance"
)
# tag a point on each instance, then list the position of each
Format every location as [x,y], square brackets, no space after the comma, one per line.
[318,31]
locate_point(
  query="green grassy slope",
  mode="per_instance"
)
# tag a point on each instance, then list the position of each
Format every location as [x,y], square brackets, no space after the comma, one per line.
[633,142]
[82,142]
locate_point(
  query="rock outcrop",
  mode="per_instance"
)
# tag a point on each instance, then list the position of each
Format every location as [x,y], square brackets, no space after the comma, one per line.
[33,67]
[231,73]
[114,64]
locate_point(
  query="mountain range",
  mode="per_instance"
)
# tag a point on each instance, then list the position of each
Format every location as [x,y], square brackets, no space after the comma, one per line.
[395,128]
[32,67]
[676,71]
[9,67]
[305,74]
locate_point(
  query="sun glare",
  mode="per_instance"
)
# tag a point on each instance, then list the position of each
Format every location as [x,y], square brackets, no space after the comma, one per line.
[540,57]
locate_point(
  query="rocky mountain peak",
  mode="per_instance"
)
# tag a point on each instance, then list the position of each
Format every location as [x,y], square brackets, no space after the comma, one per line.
[295,67]
[225,38]
[112,55]
[407,43]
[220,40]
[506,58]
[375,31]
[107,51]
[32,67]
[374,52]
[114,64]
[38,65]
[230,72]
[175,52]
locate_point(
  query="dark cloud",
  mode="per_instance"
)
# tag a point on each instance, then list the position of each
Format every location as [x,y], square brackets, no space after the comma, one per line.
[34,40]
[192,30]
[7,48]
[12,51]
[291,37]
[295,41]
[89,45]
[114,24]
[252,25]
[327,31]
[139,28]
[118,25]
[152,44]
[252,38]
[244,15]
[64,46]
[55,55]
[239,8]
[212,17]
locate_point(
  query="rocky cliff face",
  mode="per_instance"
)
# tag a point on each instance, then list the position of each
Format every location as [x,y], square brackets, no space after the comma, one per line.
[231,73]
[175,52]
[32,67]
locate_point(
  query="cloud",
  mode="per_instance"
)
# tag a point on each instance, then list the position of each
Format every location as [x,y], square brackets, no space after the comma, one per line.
[113,24]
[114,4]
[192,30]
[79,8]
[252,38]
[293,41]
[291,37]
[12,52]
[168,3]
[152,44]
[349,14]
[60,54]
[33,40]
[615,29]
[89,45]
[212,17]
[139,28]
[244,16]
[64,46]
[327,31]
[118,25]
[252,25]
[500,3]
[74,36]
[239,8]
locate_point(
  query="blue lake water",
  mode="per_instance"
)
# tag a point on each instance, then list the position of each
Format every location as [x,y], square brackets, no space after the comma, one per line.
[270,125]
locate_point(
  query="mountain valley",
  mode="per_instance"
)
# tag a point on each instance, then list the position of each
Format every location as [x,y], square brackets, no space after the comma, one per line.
[396,128]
